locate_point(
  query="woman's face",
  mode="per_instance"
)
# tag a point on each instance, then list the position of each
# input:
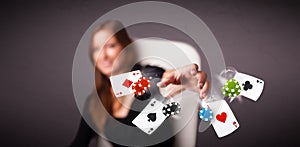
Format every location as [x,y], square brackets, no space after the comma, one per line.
[105,57]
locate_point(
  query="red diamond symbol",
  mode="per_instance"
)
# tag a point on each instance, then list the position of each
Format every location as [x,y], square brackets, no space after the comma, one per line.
[127,83]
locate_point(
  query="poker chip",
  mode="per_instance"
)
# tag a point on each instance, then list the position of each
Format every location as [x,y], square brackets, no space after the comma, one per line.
[139,88]
[205,114]
[231,88]
[171,109]
[145,96]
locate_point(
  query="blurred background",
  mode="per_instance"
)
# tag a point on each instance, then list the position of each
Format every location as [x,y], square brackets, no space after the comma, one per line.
[39,39]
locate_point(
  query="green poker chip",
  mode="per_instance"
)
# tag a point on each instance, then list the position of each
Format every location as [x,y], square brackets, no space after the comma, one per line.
[231,88]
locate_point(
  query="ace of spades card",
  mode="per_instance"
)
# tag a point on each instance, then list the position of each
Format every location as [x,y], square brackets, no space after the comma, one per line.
[151,117]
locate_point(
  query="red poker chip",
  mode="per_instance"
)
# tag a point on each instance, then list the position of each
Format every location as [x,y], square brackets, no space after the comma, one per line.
[139,88]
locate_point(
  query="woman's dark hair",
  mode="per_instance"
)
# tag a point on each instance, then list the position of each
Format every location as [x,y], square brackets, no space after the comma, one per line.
[115,26]
[117,29]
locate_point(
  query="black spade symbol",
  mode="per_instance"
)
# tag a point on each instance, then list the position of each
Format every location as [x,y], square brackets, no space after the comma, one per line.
[247,85]
[151,117]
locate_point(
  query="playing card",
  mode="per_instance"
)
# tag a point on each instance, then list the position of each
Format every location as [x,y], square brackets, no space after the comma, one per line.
[151,117]
[122,83]
[252,87]
[224,121]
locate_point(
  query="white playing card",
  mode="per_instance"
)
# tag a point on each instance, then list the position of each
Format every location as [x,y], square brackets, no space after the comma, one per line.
[252,87]
[122,83]
[224,121]
[151,117]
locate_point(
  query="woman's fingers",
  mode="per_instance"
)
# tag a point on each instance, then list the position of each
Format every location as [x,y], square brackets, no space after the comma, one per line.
[174,76]
[189,77]
[169,77]
[201,77]
[171,90]
[202,84]
[204,90]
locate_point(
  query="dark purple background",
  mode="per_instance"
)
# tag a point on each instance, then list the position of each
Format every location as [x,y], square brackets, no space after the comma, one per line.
[38,41]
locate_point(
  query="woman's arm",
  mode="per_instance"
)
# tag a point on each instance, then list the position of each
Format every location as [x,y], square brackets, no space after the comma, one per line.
[172,82]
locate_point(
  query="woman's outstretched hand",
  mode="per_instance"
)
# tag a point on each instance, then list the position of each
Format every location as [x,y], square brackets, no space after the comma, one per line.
[188,77]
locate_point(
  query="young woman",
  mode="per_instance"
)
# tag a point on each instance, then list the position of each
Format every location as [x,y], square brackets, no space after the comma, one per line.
[108,41]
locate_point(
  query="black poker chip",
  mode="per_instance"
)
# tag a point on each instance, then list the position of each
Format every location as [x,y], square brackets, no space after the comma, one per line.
[171,109]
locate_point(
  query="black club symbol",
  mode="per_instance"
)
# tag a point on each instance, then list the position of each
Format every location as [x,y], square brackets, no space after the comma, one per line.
[247,85]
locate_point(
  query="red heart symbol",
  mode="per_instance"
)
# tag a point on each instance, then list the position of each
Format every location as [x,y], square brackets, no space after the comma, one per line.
[221,117]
